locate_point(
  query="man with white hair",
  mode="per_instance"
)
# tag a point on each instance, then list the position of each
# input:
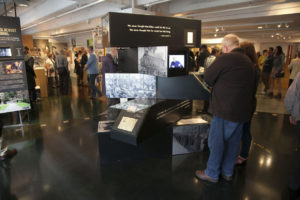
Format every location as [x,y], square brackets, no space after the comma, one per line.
[232,78]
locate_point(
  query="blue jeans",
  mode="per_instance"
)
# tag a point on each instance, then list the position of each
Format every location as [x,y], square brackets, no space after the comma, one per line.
[246,140]
[92,78]
[224,142]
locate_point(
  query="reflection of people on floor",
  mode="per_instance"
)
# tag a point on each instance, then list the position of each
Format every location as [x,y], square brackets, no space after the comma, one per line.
[63,71]
[5,178]
[292,103]
[5,153]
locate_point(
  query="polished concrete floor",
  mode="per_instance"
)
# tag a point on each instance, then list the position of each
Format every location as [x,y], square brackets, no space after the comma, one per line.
[60,157]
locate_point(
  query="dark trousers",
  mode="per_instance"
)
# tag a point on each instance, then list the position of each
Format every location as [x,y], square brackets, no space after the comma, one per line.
[265,78]
[95,90]
[295,182]
[290,82]
[246,139]
[32,95]
[63,80]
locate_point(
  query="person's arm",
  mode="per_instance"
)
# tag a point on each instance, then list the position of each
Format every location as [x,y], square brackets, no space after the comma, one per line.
[282,57]
[47,66]
[291,65]
[291,95]
[212,73]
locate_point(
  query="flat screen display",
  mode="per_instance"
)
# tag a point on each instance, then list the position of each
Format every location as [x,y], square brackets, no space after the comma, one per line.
[176,61]
[13,67]
[5,52]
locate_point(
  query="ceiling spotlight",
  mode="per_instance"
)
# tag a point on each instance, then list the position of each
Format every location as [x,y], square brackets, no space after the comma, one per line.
[279,25]
[277,34]
[217,29]
[259,27]
[272,36]
[215,35]
[287,26]
[283,38]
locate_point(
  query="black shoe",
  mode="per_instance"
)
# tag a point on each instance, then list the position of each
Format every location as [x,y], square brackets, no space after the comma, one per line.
[9,154]
[278,96]
[226,178]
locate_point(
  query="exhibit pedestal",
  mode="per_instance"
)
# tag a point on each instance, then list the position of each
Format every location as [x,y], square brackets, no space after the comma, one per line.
[141,118]
[42,81]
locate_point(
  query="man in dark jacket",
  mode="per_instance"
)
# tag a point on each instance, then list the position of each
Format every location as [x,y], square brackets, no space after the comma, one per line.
[63,71]
[267,69]
[83,62]
[204,53]
[232,78]
[30,74]
[108,66]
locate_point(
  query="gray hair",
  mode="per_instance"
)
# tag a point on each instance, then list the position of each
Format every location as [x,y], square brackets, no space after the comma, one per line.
[231,40]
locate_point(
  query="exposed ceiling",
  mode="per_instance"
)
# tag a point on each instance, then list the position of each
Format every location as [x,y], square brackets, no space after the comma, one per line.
[265,20]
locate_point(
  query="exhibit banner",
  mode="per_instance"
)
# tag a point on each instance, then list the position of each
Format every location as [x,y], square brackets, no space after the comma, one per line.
[13,84]
[132,30]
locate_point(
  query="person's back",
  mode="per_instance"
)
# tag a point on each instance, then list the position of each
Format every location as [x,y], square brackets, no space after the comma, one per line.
[61,61]
[294,66]
[92,64]
[233,87]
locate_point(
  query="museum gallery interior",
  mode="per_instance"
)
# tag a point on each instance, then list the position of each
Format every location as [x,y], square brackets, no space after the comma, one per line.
[149,99]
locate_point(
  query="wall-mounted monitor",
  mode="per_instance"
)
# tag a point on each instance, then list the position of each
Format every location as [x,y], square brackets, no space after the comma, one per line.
[5,52]
[176,61]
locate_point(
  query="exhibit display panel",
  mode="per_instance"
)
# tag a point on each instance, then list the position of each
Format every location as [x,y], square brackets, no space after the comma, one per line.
[133,127]
[190,135]
[153,60]
[13,84]
[132,30]
[124,85]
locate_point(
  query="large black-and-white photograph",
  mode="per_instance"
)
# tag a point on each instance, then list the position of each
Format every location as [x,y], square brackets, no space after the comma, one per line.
[190,138]
[134,105]
[130,85]
[153,60]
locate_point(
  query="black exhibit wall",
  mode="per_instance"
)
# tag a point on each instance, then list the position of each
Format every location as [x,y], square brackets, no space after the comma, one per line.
[131,30]
[181,87]
[10,37]
[128,60]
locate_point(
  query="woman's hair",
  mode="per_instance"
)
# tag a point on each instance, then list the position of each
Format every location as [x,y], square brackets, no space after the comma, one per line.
[279,50]
[250,52]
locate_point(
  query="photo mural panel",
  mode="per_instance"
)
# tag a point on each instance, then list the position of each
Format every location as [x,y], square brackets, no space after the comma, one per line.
[121,85]
[13,83]
[153,60]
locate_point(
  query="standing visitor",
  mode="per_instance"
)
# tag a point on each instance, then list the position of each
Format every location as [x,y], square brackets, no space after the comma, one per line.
[93,71]
[232,77]
[249,49]
[83,61]
[50,70]
[108,66]
[30,75]
[77,66]
[204,53]
[294,67]
[262,58]
[63,71]
[292,103]
[276,74]
[266,70]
